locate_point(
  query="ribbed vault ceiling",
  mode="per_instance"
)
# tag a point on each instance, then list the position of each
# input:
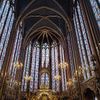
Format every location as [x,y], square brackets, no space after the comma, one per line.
[43,20]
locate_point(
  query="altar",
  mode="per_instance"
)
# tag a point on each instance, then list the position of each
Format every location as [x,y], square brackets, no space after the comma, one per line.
[44,93]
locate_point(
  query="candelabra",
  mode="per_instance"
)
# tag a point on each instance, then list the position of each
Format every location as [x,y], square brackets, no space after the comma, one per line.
[28,79]
[6,77]
[78,76]
[13,88]
[70,83]
[18,65]
[57,77]
[63,65]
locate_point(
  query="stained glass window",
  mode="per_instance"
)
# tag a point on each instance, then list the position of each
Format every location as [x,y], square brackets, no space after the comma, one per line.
[83,42]
[45,79]
[34,67]
[41,61]
[70,52]
[45,55]
[26,67]
[15,55]
[96,10]
[55,68]
[6,22]
[63,71]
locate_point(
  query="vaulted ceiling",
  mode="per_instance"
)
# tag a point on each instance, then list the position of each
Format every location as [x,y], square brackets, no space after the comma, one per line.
[66,5]
[44,20]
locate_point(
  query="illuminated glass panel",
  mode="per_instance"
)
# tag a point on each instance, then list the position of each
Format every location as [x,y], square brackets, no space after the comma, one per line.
[63,71]
[34,67]
[45,55]
[2,7]
[96,10]
[45,79]
[38,79]
[55,68]
[6,22]
[83,42]
[23,81]
[70,52]
[26,67]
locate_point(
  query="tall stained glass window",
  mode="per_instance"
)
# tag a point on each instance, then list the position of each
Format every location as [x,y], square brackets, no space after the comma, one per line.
[45,79]
[15,55]
[37,59]
[96,9]
[31,65]
[55,68]
[83,41]
[45,55]
[6,22]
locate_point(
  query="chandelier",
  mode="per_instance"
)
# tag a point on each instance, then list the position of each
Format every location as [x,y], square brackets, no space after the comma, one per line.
[70,82]
[28,78]
[57,77]
[18,65]
[63,65]
[79,71]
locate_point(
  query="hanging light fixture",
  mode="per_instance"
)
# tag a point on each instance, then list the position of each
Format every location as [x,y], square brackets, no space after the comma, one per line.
[28,78]
[70,82]
[18,65]
[57,77]
[63,65]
